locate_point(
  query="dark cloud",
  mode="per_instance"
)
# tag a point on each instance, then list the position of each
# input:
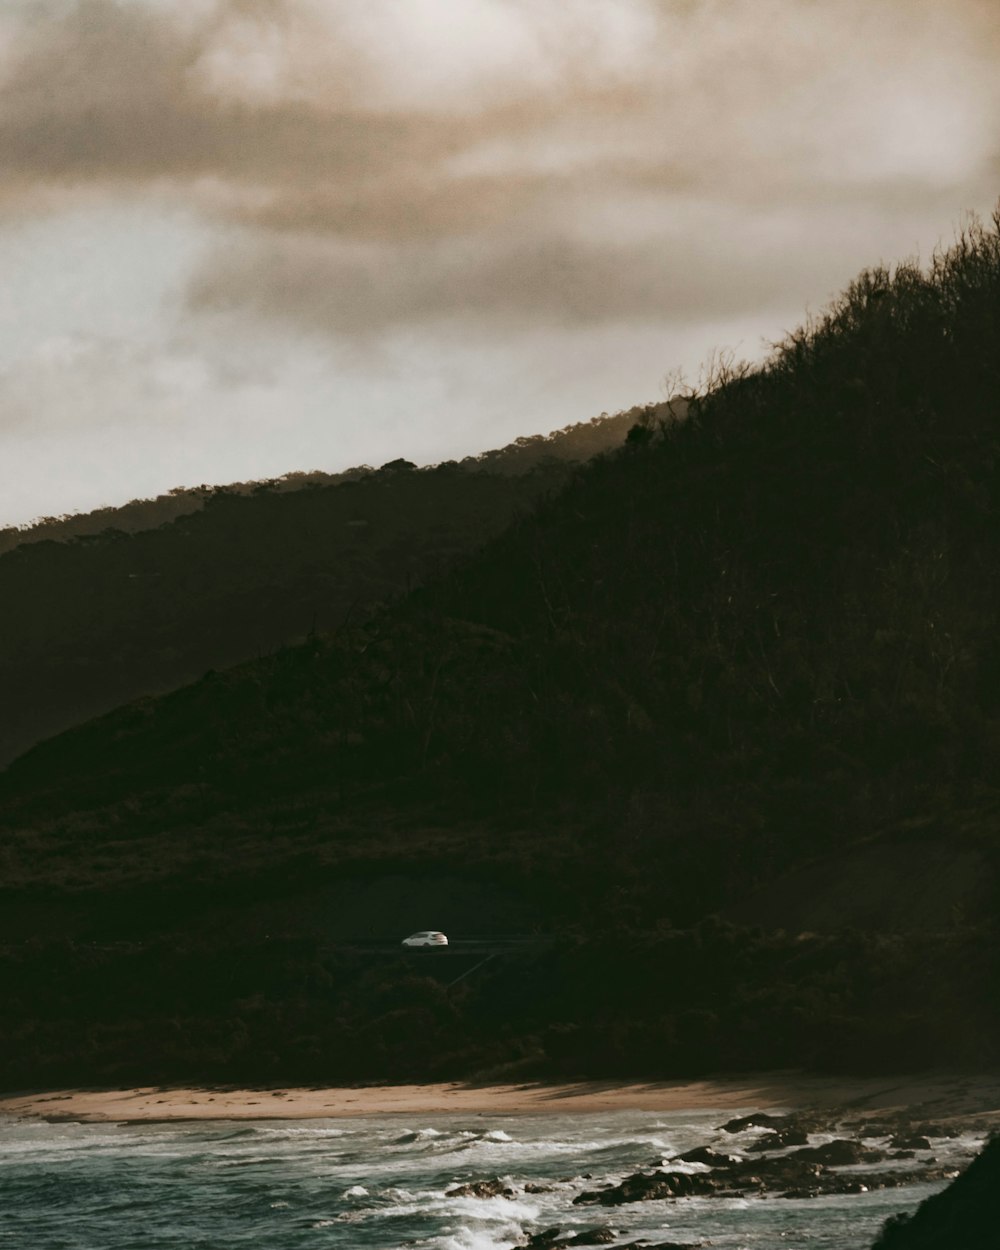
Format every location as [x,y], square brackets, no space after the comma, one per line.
[111,93]
[543,280]
[560,181]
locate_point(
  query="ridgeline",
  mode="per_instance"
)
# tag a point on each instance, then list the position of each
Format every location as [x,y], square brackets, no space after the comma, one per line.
[102,608]
[717,725]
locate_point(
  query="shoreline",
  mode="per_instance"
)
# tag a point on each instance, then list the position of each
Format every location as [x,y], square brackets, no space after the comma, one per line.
[939,1096]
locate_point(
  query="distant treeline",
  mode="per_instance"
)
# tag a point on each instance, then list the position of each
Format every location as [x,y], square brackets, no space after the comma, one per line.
[576,442]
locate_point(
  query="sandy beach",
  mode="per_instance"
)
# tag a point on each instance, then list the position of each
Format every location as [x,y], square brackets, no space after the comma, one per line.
[938,1096]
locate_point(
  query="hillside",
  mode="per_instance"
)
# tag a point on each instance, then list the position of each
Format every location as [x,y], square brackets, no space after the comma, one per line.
[757,648]
[103,608]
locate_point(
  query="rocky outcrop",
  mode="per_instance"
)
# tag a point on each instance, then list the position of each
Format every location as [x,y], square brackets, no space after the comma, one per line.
[554,1239]
[712,1158]
[807,1173]
[759,1119]
[965,1216]
[780,1138]
[646,1186]
[481,1189]
[909,1141]
[837,1153]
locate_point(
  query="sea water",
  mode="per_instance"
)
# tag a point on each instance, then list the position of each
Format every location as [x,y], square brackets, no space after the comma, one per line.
[383,1182]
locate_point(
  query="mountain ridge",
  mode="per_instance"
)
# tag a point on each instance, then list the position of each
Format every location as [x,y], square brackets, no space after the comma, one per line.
[240,571]
[706,675]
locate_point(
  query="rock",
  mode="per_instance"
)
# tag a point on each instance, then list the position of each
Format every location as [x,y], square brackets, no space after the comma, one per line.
[662,1245]
[705,1154]
[646,1187]
[910,1141]
[805,1173]
[546,1238]
[938,1130]
[481,1189]
[965,1216]
[759,1119]
[837,1153]
[551,1239]
[533,1188]
[780,1139]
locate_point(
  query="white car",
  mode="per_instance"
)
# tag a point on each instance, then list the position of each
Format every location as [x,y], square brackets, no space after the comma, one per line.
[428,938]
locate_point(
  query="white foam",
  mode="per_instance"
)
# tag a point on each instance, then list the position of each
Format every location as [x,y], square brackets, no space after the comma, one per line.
[477,1238]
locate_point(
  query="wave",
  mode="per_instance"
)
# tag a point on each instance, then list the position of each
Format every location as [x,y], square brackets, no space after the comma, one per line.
[420,1134]
[386,1182]
[480,1239]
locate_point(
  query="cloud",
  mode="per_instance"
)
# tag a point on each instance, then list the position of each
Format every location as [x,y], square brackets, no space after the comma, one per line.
[502,158]
[542,278]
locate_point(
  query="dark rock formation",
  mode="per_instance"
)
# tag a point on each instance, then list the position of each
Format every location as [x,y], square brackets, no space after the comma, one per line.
[643,1187]
[545,1238]
[836,1154]
[909,1141]
[759,1119]
[481,1189]
[552,1239]
[705,1154]
[661,1245]
[941,1130]
[798,1175]
[966,1216]
[782,1137]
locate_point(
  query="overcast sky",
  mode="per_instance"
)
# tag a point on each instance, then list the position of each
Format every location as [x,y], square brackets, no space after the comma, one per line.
[244,237]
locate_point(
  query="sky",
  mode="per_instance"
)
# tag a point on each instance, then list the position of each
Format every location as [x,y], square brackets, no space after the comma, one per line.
[240,238]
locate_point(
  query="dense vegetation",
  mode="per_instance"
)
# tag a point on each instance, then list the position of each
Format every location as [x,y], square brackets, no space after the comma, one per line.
[667,1003]
[102,608]
[749,665]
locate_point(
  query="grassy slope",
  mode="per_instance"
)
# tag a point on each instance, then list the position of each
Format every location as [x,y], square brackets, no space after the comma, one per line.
[755,646]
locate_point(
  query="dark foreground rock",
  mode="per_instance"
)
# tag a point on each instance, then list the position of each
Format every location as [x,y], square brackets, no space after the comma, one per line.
[965,1216]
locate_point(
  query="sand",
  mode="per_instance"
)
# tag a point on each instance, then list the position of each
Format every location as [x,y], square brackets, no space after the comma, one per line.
[934,1096]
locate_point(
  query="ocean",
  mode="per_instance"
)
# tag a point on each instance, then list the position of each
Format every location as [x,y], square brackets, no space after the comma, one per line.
[382,1183]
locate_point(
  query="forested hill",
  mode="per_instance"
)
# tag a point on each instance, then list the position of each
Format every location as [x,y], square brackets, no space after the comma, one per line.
[102,608]
[773,626]
[756,648]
